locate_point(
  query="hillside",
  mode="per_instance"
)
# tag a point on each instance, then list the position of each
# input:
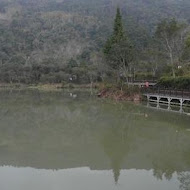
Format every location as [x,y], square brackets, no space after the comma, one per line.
[49,40]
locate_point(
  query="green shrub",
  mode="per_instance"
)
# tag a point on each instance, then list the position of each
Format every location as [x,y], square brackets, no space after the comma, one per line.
[143,76]
[174,83]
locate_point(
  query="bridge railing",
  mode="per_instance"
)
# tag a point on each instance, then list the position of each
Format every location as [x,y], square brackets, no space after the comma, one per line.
[136,80]
[144,81]
[167,92]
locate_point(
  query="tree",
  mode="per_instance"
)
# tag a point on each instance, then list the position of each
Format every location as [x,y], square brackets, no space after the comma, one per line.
[154,59]
[118,33]
[172,35]
[118,49]
[121,57]
[186,52]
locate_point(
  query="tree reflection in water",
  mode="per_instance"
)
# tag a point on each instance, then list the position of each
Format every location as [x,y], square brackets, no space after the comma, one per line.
[73,133]
[184,178]
[116,145]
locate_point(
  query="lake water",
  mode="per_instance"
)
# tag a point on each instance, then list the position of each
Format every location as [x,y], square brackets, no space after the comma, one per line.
[57,141]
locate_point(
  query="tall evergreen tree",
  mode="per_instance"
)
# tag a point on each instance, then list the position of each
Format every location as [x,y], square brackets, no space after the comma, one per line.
[118,33]
[118,27]
[118,49]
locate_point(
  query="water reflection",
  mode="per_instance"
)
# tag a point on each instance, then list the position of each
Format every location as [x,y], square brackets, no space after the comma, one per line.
[79,178]
[53,131]
[185,109]
[184,178]
[116,148]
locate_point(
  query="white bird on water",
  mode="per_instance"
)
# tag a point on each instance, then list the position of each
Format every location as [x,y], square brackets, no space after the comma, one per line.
[73,95]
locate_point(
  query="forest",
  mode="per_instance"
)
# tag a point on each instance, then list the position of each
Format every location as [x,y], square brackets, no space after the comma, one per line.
[82,41]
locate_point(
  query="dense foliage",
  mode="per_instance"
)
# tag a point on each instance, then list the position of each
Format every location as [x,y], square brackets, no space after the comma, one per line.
[56,40]
[175,83]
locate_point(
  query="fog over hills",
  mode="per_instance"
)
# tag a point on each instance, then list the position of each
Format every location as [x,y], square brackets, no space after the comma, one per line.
[58,33]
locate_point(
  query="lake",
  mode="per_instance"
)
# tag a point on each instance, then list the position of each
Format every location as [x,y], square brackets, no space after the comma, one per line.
[65,140]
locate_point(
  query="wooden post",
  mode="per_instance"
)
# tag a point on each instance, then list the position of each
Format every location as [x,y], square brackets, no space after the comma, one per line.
[181,102]
[169,101]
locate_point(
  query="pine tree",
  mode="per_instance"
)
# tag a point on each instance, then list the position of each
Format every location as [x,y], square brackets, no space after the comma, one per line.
[118,50]
[118,27]
[118,33]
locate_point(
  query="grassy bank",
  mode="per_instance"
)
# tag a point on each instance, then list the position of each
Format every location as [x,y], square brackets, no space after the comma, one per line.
[48,86]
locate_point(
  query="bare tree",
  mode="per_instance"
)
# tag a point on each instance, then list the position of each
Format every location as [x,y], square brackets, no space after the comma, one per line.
[172,35]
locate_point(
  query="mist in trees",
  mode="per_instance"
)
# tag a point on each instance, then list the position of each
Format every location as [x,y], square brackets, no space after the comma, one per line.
[53,41]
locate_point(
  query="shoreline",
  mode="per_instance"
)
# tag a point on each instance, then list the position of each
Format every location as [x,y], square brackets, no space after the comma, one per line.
[47,86]
[112,92]
[119,95]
